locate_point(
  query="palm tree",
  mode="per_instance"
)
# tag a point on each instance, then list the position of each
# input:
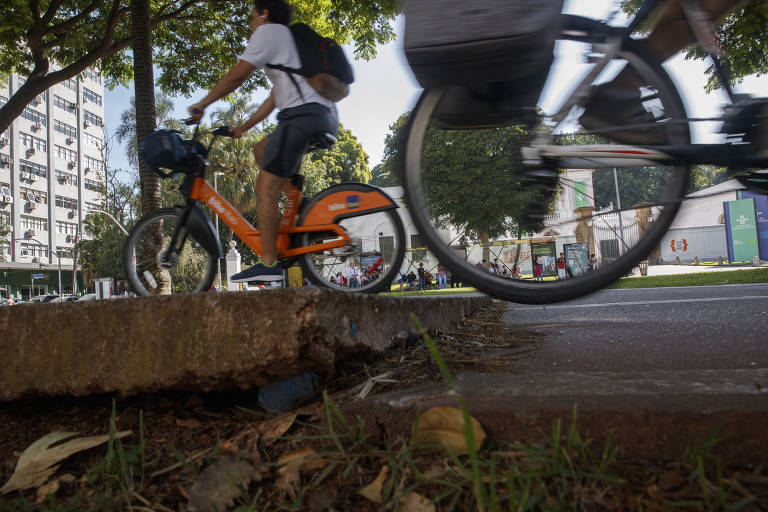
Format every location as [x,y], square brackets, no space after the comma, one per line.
[126,131]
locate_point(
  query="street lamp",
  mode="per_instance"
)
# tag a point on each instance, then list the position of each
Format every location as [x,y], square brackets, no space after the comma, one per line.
[61,290]
[218,263]
[125,231]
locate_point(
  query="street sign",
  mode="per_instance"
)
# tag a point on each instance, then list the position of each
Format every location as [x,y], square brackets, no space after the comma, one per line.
[38,276]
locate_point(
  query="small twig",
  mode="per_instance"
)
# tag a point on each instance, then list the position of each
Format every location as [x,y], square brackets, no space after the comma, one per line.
[179,464]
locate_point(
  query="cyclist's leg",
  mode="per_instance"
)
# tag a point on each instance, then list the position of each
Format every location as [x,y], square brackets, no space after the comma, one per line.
[268,188]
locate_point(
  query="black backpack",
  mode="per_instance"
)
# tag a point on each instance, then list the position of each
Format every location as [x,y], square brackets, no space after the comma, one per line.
[323,64]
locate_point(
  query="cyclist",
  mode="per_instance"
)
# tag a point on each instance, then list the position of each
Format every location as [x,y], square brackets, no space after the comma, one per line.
[303,113]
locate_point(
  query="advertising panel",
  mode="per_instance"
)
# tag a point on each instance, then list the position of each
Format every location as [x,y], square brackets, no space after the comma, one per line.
[517,254]
[741,229]
[576,258]
[547,254]
[761,210]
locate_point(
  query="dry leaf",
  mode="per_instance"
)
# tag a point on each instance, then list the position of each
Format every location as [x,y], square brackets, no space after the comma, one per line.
[291,464]
[46,490]
[322,498]
[219,484]
[37,462]
[445,426]
[414,502]
[276,427]
[372,491]
[190,423]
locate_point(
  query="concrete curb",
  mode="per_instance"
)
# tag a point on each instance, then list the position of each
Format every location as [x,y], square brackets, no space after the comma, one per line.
[649,414]
[205,342]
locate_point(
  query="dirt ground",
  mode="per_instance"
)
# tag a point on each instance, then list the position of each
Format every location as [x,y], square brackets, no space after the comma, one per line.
[185,431]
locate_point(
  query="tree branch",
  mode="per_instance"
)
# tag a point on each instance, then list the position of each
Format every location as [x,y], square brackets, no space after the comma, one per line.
[70,24]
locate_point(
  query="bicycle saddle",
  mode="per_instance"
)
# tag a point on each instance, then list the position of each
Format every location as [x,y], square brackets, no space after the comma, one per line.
[322,140]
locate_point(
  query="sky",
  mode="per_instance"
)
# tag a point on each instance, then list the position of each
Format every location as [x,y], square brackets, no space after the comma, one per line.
[385,88]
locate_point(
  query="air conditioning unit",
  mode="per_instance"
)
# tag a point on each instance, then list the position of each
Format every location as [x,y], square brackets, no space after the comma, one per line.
[36,127]
[71,213]
[31,177]
[39,199]
[70,140]
[87,170]
[71,164]
[35,260]
[25,252]
[69,238]
[3,142]
[6,199]
[36,101]
[85,100]
[86,124]
[31,205]
[72,106]
[30,151]
[30,233]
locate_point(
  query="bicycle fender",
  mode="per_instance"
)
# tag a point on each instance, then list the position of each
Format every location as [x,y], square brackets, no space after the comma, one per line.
[202,230]
[343,201]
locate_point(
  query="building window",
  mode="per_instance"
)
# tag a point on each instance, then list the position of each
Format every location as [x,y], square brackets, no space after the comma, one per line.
[92,140]
[66,202]
[64,128]
[92,206]
[387,247]
[66,228]
[33,168]
[89,95]
[418,248]
[34,116]
[33,250]
[93,164]
[31,141]
[35,223]
[91,184]
[92,119]
[66,154]
[93,75]
[33,196]
[66,178]
[64,252]
[70,84]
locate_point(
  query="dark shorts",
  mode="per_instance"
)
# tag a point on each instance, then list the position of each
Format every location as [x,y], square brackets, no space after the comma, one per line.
[295,130]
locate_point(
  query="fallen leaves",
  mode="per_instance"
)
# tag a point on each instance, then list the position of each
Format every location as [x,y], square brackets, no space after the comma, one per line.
[373,490]
[445,426]
[38,462]
[220,483]
[414,502]
[291,464]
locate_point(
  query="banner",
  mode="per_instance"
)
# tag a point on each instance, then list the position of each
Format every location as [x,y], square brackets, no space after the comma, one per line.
[546,252]
[576,258]
[741,229]
[761,210]
[580,194]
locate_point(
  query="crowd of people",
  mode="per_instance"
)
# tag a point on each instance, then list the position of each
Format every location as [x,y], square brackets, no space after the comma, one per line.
[354,277]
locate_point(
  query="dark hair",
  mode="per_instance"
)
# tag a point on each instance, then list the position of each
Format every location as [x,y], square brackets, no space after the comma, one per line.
[279,10]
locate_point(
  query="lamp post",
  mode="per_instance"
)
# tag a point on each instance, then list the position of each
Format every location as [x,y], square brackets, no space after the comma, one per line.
[618,203]
[125,231]
[218,263]
[61,291]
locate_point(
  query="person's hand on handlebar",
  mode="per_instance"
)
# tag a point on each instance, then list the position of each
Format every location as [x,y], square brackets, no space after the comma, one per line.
[196,112]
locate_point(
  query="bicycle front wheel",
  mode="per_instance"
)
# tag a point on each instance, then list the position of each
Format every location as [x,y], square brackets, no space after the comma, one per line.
[152,268]
[467,188]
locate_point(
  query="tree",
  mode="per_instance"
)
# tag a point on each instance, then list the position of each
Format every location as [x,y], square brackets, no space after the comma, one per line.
[382,177]
[5,230]
[743,36]
[464,171]
[346,161]
[126,130]
[194,41]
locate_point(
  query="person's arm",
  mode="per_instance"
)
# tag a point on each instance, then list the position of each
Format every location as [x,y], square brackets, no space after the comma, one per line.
[261,114]
[228,83]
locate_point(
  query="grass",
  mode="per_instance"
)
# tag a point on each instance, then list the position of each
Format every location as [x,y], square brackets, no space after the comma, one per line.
[444,291]
[695,279]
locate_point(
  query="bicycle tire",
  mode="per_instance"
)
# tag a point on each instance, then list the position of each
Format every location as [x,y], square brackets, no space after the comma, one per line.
[198,267]
[640,60]
[321,267]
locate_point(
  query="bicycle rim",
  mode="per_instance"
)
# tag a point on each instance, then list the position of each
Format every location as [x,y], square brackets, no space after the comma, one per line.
[152,271]
[376,252]
[471,198]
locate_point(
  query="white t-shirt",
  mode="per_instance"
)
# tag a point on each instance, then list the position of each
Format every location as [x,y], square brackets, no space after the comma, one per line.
[351,272]
[273,44]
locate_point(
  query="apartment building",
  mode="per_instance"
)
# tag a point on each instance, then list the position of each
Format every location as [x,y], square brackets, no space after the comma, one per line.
[51,164]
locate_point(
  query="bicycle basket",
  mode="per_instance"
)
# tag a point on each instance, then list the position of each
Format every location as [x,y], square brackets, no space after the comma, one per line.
[165,149]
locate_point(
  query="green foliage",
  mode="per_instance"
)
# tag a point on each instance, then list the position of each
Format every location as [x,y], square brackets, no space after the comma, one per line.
[126,131]
[5,230]
[743,36]
[382,177]
[346,161]
[464,172]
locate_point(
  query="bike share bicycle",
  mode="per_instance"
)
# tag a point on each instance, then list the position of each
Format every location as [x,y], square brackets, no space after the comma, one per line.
[177,250]
[486,158]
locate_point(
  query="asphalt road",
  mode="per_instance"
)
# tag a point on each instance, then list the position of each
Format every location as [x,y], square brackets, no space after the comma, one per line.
[697,327]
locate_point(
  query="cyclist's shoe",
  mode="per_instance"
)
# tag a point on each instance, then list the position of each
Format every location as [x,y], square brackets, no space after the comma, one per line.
[624,110]
[259,272]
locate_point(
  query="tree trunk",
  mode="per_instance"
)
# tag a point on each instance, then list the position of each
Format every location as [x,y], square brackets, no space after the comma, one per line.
[484,242]
[144,91]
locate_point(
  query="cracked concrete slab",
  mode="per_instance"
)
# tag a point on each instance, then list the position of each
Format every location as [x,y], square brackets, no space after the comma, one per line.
[206,342]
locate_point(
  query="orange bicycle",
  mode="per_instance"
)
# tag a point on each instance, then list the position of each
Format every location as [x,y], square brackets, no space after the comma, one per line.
[346,226]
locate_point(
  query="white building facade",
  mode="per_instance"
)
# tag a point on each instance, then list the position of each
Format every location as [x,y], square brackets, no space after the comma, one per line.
[52,165]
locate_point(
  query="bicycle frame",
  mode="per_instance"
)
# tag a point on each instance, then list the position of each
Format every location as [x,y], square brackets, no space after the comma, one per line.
[322,218]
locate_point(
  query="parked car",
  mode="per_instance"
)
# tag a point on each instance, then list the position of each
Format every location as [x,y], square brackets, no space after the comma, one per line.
[87,296]
[66,298]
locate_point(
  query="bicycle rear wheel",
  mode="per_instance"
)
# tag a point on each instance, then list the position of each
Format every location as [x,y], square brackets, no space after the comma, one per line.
[377,251]
[151,270]
[468,187]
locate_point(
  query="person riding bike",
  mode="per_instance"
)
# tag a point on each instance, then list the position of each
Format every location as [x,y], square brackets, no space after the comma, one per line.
[303,113]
